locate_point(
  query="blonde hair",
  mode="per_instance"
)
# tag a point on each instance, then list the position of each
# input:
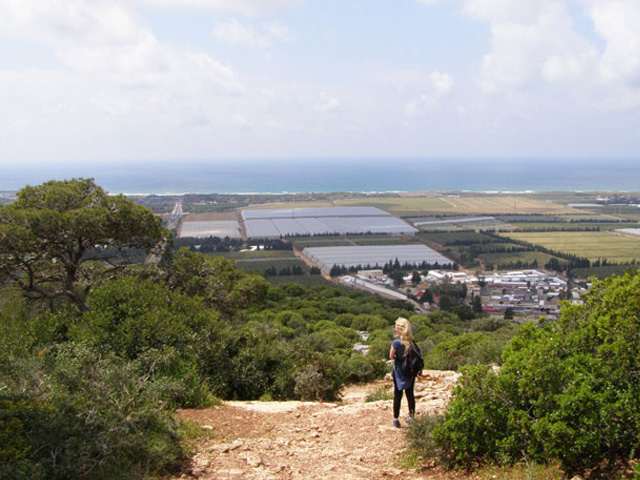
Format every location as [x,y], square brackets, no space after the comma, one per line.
[405,334]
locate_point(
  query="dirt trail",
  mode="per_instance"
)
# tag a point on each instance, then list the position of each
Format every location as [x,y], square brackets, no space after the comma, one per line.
[351,440]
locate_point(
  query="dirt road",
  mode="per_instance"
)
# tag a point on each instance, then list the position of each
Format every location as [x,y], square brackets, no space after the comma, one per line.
[351,440]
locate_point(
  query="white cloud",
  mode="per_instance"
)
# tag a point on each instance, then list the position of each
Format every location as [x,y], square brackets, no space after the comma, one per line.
[532,41]
[536,43]
[279,31]
[65,22]
[327,103]
[234,32]
[439,86]
[251,7]
[114,78]
[618,22]
[442,83]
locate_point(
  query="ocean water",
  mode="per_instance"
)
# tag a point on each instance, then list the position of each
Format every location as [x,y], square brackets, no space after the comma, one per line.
[344,175]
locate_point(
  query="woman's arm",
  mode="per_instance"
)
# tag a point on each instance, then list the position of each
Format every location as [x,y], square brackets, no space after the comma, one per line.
[392,353]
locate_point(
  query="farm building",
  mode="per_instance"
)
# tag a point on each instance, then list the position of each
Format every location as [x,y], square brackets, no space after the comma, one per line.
[349,257]
[204,229]
[276,223]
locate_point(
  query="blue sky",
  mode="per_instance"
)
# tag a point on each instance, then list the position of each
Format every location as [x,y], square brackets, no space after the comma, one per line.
[92,81]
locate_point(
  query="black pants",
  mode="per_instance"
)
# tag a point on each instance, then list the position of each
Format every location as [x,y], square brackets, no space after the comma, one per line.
[397,399]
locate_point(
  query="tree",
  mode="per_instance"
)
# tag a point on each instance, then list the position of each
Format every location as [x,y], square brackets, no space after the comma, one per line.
[397,276]
[427,297]
[476,304]
[216,280]
[61,238]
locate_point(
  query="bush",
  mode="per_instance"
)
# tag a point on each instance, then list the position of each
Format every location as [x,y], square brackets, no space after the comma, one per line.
[320,379]
[569,391]
[258,361]
[89,416]
[364,368]
[164,330]
[465,349]
[419,435]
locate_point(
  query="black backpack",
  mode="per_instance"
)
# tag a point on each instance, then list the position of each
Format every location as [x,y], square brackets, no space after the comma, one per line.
[412,363]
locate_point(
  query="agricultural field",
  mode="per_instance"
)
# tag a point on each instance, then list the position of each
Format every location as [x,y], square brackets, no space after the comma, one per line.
[396,204]
[445,204]
[500,260]
[627,212]
[260,261]
[602,272]
[449,223]
[212,217]
[258,255]
[591,245]
[300,243]
[566,197]
[560,226]
[456,238]
[365,240]
[465,205]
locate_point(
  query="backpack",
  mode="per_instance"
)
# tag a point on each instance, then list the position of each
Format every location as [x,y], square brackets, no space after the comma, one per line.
[412,363]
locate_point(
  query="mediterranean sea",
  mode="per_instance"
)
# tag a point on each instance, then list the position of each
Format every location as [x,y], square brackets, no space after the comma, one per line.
[341,175]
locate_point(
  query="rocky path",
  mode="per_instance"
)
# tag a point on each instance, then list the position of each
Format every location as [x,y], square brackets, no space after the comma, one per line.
[351,440]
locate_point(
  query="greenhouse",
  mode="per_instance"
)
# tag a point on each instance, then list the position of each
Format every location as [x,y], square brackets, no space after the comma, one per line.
[374,256]
[276,223]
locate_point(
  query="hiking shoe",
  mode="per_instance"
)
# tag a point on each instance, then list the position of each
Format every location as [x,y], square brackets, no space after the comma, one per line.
[396,423]
[409,420]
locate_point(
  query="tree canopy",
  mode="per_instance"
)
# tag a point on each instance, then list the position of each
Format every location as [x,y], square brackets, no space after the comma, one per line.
[62,237]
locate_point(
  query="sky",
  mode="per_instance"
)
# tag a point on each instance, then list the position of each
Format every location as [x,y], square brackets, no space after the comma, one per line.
[125,81]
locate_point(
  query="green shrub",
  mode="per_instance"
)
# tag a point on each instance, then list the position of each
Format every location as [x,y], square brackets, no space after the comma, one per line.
[320,379]
[382,393]
[364,368]
[259,361]
[90,415]
[419,435]
[465,349]
[569,391]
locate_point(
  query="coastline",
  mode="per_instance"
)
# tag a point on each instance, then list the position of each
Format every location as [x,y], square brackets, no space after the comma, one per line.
[363,177]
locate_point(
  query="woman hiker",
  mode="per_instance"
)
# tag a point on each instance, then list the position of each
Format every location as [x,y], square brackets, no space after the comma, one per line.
[399,348]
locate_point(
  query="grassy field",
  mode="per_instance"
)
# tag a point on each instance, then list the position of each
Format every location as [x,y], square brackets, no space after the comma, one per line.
[568,226]
[591,245]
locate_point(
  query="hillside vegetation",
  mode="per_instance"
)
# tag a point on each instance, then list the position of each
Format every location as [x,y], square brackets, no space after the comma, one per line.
[105,333]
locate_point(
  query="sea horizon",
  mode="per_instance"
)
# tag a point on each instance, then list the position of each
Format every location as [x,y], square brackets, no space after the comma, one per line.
[379,175]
